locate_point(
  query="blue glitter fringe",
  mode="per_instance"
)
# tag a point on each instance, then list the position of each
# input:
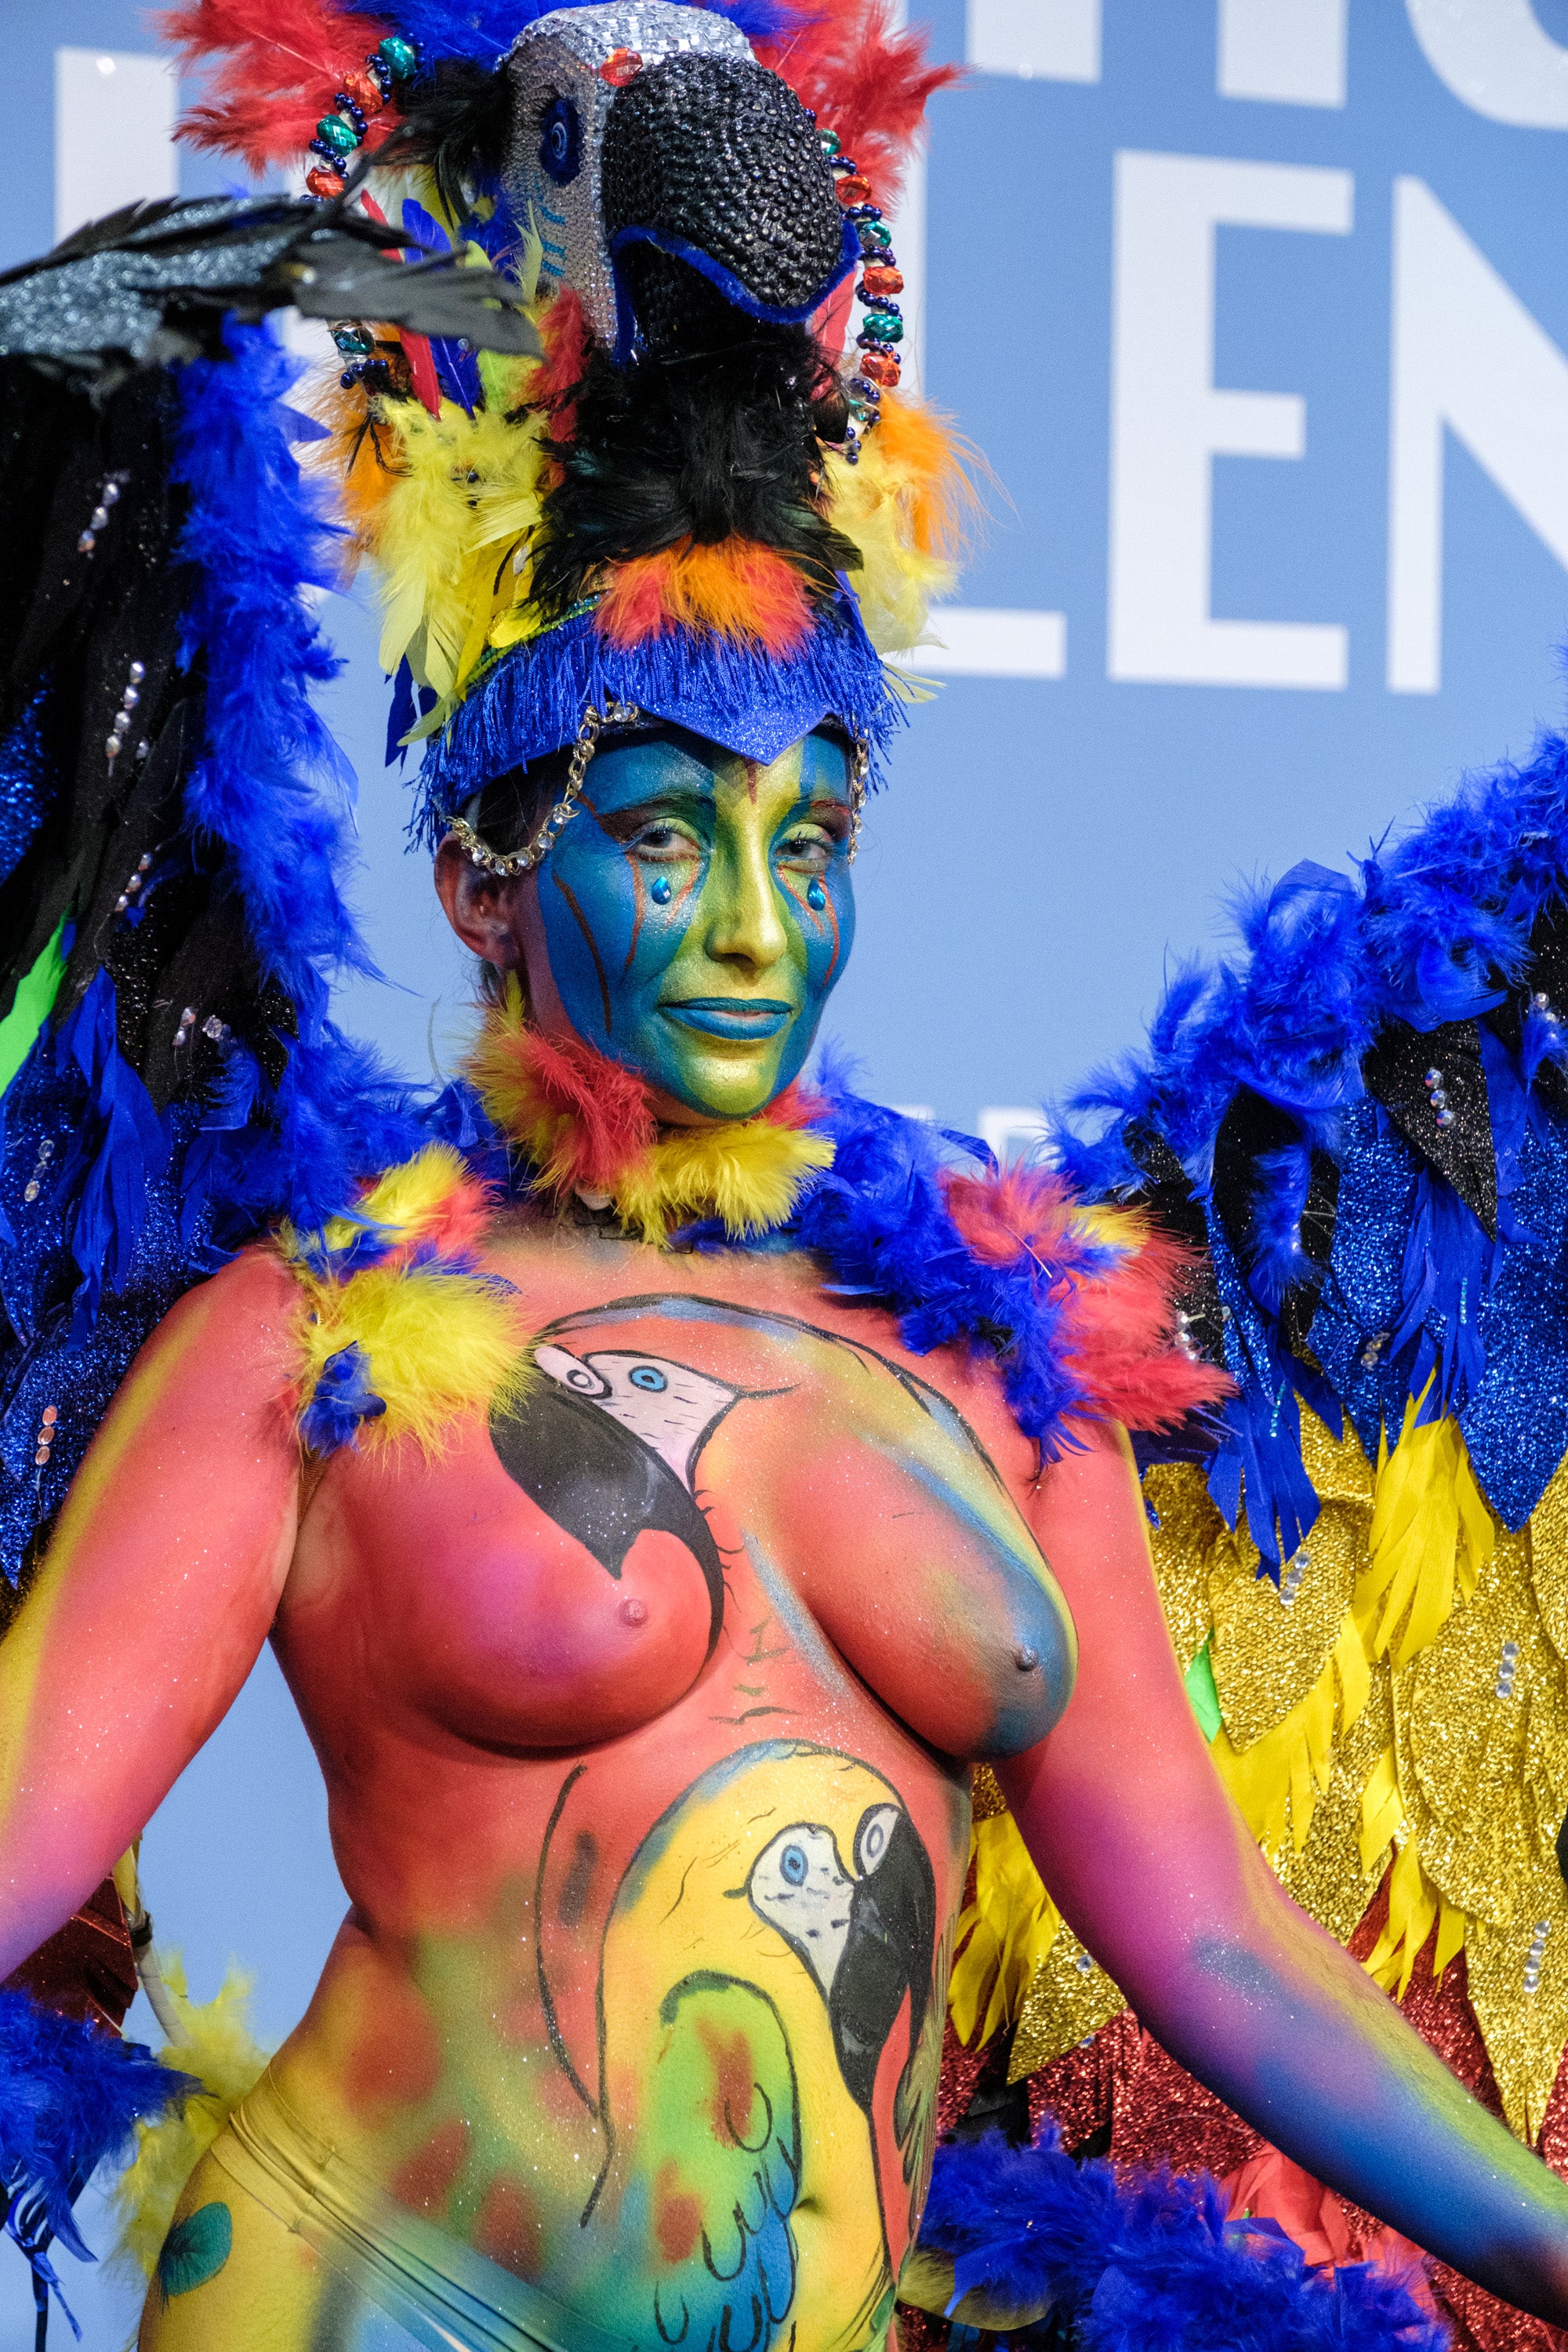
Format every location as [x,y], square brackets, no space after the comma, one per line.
[532,700]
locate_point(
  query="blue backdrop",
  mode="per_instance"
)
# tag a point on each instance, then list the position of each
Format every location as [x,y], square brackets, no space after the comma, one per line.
[1258,309]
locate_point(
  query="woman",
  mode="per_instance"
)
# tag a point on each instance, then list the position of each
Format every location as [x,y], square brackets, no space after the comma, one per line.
[645,1706]
[661,1490]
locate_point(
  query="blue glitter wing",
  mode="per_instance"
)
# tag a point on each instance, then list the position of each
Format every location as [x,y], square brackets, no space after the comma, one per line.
[1391,1224]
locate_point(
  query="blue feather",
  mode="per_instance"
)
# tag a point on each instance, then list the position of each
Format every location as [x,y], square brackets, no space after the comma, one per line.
[70,2098]
[1132,2259]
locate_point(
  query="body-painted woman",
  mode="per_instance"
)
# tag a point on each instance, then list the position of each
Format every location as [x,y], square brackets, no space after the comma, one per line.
[645,1707]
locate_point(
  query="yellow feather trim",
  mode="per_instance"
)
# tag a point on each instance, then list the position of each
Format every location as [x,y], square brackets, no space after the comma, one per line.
[749,1175]
[438,1342]
[906,504]
[1431,1531]
[217,2046]
[1003,1936]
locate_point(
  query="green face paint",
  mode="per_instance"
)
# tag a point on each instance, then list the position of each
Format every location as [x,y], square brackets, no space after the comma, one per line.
[196,2249]
[698,912]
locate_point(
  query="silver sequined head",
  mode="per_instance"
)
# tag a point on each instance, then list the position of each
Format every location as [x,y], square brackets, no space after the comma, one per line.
[561,101]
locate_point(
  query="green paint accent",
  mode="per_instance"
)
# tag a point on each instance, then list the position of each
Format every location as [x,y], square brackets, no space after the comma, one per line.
[1202,1692]
[196,2249]
[35,993]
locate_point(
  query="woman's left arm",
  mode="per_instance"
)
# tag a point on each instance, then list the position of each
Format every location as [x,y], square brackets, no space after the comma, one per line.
[1153,1869]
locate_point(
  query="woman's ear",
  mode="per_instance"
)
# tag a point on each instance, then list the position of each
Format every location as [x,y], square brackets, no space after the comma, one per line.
[479,905]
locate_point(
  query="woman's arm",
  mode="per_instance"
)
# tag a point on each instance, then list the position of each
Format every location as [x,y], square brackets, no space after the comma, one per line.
[155,1598]
[1153,1869]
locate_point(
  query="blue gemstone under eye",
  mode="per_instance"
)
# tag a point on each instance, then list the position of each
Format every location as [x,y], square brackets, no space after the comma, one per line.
[816,897]
[561,141]
[661,892]
[792,1866]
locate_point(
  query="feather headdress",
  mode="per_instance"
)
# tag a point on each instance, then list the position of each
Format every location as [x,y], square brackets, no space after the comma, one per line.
[691,500]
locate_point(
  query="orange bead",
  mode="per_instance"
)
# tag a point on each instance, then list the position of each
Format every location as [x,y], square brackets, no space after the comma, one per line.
[881,367]
[366,91]
[322,182]
[620,67]
[852,190]
[881,281]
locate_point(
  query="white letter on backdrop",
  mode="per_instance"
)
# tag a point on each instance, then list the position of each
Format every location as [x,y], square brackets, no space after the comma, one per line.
[1169,422]
[1498,58]
[1057,39]
[1468,355]
[1291,50]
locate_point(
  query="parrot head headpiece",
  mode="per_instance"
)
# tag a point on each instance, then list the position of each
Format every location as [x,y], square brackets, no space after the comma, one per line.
[693,506]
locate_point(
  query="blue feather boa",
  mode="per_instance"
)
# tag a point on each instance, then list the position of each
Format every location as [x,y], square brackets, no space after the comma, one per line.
[140,1205]
[70,2099]
[1418,1300]
[1132,2262]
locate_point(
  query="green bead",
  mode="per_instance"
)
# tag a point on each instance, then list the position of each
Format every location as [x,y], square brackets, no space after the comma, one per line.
[334,132]
[353,341]
[831,142]
[883,328]
[875,233]
[398,56]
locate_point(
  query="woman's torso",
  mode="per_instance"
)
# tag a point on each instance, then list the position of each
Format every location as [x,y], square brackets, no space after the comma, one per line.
[644,1712]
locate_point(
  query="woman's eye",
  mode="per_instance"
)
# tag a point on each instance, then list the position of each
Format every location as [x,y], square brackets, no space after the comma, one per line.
[662,842]
[811,848]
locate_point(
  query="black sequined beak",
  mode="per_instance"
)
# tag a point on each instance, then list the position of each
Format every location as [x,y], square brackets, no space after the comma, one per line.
[712,170]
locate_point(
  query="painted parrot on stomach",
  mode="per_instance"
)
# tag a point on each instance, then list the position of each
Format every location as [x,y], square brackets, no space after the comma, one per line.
[766,1939]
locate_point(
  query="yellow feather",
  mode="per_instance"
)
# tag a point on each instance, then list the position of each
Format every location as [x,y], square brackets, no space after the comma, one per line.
[215,2046]
[465,497]
[437,1343]
[748,1175]
[906,504]
[1001,1936]
[1431,1535]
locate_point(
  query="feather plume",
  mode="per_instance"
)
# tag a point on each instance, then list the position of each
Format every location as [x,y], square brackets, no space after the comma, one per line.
[908,504]
[401,1330]
[737,591]
[586,1121]
[1127,2260]
[272,72]
[863,77]
[216,2048]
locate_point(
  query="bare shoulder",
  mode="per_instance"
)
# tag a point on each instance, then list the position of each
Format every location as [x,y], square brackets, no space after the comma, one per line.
[238,1331]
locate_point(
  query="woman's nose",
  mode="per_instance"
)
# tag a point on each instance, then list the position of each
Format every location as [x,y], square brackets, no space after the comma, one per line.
[745,921]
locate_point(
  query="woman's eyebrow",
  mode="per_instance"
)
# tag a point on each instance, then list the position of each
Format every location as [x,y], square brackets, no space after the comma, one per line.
[672,796]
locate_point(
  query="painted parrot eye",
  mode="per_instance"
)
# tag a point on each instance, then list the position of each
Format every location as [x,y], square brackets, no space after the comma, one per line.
[561,141]
[792,1866]
[647,1376]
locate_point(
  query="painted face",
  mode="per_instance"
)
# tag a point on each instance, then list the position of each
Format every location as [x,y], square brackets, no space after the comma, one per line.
[697,911]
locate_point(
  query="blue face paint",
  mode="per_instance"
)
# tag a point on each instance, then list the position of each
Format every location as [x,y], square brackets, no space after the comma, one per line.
[698,911]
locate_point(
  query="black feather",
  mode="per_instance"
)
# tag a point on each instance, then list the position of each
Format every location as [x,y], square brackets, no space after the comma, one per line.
[460,124]
[713,431]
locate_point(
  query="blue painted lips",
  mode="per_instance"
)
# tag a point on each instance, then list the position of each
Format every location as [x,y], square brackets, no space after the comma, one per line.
[731,1016]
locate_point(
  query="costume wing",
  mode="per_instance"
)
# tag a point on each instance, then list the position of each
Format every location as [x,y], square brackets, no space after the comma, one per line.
[173,821]
[1361,1126]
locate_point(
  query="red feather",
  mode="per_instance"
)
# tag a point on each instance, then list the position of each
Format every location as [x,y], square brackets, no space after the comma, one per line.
[272,72]
[1120,1324]
[865,80]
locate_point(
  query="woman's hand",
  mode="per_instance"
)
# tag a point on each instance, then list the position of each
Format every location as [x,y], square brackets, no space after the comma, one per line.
[155,1597]
[1153,1868]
